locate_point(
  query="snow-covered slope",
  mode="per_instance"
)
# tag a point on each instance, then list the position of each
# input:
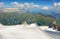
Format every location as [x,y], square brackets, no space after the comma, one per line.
[22,32]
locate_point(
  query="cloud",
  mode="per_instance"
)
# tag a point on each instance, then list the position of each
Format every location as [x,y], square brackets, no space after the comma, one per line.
[45,7]
[56,7]
[57,4]
[11,10]
[1,4]
[25,5]
[30,6]
[15,4]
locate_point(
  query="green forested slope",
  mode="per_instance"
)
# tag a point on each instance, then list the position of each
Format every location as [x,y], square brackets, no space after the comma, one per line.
[14,18]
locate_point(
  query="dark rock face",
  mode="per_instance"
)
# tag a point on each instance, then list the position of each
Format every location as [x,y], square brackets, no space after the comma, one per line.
[58,28]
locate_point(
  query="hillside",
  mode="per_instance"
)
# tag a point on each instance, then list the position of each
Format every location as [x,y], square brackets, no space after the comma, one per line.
[14,18]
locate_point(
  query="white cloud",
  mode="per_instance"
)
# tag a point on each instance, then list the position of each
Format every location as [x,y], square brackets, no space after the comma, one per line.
[14,3]
[57,4]
[56,7]
[25,5]
[10,10]
[45,7]
[1,4]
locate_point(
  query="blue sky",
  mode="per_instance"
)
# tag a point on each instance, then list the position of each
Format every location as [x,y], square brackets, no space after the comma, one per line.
[40,2]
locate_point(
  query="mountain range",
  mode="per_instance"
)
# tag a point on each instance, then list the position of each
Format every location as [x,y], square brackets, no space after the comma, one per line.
[47,12]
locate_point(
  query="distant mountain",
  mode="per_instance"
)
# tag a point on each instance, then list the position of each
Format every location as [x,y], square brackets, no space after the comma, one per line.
[57,15]
[42,11]
[47,12]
